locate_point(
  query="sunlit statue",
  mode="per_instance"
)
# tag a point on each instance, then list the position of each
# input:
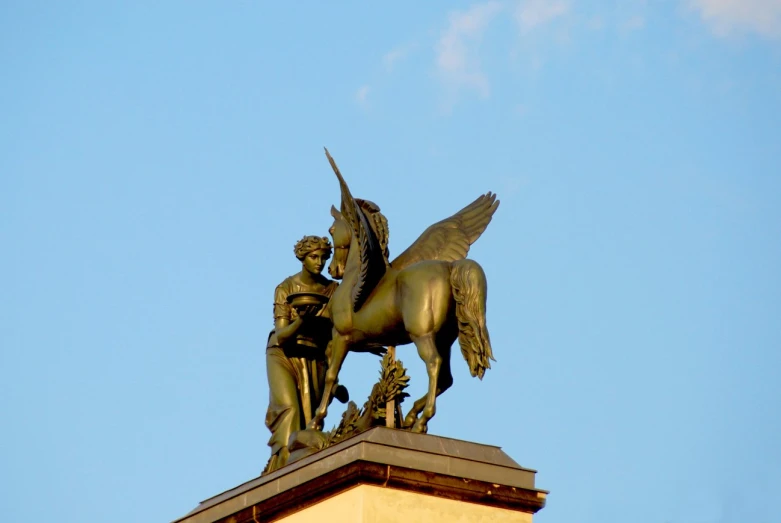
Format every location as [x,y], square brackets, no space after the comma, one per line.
[295,353]
[429,295]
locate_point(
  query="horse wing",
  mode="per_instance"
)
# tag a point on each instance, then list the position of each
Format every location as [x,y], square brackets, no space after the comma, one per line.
[450,239]
[372,262]
[379,224]
[373,265]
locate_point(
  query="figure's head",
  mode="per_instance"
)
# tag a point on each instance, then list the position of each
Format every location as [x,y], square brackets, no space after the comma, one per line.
[342,235]
[313,251]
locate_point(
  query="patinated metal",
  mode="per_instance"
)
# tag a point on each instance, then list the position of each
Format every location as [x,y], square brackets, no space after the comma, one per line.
[296,349]
[430,295]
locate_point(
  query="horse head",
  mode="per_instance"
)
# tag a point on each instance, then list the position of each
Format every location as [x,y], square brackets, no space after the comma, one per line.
[342,236]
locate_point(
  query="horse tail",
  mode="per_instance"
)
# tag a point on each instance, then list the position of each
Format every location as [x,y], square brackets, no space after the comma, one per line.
[470,290]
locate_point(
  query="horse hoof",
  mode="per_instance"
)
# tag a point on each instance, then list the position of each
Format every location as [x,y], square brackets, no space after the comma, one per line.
[421,427]
[342,394]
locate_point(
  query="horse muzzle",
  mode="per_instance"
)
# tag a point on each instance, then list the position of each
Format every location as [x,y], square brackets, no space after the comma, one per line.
[336,271]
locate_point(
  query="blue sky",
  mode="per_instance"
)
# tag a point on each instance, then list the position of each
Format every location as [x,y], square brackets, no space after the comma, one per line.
[159,160]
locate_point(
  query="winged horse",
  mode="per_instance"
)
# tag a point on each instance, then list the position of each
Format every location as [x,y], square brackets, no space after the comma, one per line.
[429,295]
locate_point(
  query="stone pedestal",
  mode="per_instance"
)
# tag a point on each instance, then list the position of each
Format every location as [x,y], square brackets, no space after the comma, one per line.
[385,476]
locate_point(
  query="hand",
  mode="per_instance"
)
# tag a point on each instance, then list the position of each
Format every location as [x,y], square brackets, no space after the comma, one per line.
[307,310]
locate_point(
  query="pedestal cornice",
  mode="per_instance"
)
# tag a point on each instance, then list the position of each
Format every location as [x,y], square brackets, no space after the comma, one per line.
[394,459]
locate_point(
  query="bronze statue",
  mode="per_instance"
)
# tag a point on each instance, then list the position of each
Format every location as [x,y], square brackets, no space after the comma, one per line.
[429,295]
[379,410]
[296,349]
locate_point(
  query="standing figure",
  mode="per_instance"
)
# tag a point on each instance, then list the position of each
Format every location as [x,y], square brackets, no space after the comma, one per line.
[296,350]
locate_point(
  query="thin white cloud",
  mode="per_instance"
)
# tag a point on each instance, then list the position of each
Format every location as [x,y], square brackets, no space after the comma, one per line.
[531,14]
[457,61]
[396,55]
[727,17]
[362,94]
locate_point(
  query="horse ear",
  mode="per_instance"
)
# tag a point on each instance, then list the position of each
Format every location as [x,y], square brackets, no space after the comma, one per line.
[336,214]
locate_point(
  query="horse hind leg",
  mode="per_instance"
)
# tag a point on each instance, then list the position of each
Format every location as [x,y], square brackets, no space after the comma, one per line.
[444,381]
[427,350]
[437,359]
[412,415]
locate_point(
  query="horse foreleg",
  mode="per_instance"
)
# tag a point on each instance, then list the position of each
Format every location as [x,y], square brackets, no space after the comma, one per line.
[338,351]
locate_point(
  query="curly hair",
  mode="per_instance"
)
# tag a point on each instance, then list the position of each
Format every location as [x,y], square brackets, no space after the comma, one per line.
[308,244]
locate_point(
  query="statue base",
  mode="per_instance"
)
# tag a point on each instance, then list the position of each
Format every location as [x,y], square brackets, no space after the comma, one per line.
[385,476]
